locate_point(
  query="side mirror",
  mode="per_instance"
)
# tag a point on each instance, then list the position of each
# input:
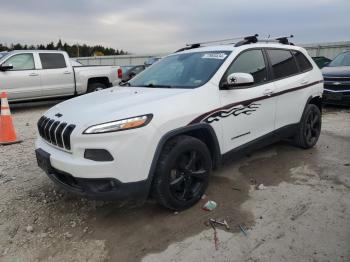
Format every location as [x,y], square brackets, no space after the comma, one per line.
[6,67]
[239,80]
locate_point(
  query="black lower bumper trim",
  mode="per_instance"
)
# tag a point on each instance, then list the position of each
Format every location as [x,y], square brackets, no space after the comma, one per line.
[94,188]
[338,98]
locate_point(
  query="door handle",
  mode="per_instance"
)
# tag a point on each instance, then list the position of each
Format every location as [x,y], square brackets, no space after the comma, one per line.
[268,92]
[33,74]
[304,82]
[66,72]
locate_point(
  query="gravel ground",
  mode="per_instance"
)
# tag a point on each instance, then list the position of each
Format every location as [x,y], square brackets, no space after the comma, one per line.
[301,214]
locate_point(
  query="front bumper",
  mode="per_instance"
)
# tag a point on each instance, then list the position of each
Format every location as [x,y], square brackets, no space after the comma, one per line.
[336,97]
[336,92]
[94,188]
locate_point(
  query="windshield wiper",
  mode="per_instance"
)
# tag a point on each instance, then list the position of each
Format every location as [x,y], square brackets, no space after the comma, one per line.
[158,86]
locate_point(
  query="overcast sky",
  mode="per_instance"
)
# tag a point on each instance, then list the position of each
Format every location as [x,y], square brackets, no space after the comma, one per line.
[156,26]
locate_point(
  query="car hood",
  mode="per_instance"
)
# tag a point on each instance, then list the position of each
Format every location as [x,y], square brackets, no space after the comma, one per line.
[111,104]
[336,71]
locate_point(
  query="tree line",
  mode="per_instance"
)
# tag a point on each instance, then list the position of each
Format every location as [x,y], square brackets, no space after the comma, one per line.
[72,50]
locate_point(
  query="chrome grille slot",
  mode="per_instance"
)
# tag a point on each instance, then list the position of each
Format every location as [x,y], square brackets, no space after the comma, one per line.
[55,132]
[47,129]
[52,132]
[59,132]
[66,136]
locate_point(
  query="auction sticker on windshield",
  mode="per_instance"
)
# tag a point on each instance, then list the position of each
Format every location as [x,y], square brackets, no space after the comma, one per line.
[214,55]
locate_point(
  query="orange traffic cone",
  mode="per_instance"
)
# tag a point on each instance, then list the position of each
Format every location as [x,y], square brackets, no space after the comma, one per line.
[7,130]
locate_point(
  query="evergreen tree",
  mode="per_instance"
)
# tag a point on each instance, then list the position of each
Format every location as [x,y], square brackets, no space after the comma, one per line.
[72,50]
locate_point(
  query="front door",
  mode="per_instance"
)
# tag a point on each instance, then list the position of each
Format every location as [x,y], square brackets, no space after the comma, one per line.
[247,113]
[23,81]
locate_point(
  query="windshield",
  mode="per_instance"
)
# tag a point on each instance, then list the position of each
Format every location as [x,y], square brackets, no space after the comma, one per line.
[342,59]
[187,70]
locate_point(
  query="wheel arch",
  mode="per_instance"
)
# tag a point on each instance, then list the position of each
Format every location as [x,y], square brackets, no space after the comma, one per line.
[316,100]
[102,80]
[201,131]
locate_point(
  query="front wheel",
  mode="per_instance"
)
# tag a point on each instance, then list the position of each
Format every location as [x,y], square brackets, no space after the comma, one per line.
[309,127]
[182,173]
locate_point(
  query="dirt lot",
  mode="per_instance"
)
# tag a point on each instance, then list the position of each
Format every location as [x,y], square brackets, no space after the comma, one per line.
[301,214]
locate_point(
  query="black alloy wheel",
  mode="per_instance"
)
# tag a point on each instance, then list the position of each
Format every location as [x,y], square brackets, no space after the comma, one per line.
[182,172]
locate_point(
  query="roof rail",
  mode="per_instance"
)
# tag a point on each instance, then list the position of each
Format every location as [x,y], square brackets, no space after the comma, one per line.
[199,44]
[252,39]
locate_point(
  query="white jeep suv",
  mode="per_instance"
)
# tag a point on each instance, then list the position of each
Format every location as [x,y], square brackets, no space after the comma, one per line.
[162,133]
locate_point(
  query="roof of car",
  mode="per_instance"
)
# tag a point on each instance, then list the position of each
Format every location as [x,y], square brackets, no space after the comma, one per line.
[231,47]
[33,51]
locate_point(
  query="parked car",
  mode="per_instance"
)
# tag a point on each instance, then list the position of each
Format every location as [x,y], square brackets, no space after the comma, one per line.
[133,71]
[337,80]
[125,68]
[163,133]
[151,61]
[321,61]
[3,53]
[27,75]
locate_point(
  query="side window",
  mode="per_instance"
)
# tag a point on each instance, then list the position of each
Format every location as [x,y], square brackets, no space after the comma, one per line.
[21,62]
[303,63]
[52,61]
[252,62]
[282,62]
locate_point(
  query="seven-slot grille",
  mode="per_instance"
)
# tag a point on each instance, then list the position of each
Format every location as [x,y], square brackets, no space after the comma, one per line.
[55,132]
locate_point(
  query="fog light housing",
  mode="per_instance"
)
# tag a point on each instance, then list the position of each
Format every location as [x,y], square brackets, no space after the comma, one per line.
[101,155]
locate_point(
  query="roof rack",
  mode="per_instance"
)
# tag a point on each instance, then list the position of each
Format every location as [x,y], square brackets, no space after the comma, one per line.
[279,39]
[252,39]
[199,44]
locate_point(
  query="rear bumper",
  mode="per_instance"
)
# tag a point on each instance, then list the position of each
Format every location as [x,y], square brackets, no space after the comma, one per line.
[93,188]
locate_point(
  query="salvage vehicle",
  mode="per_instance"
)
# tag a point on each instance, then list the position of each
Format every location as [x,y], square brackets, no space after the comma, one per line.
[132,72]
[337,80]
[162,133]
[321,61]
[38,74]
[3,53]
[151,61]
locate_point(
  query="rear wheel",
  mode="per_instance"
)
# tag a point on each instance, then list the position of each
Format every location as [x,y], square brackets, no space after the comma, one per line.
[309,127]
[93,87]
[182,173]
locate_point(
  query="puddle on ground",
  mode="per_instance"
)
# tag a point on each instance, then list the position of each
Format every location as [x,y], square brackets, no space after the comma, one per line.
[132,233]
[135,232]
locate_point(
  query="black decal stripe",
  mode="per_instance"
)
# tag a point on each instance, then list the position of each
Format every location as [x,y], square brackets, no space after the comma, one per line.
[244,134]
[248,102]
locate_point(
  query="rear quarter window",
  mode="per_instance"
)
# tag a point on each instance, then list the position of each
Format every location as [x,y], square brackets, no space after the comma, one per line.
[52,61]
[303,63]
[282,62]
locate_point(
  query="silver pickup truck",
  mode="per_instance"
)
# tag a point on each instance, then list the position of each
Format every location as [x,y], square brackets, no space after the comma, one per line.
[37,74]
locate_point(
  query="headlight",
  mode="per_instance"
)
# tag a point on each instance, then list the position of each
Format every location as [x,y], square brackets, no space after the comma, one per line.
[119,125]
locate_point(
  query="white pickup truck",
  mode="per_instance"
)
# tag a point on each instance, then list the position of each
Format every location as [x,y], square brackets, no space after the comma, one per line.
[37,74]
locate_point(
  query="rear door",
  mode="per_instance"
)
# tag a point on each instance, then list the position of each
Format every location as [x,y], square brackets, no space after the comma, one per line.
[57,75]
[291,79]
[247,113]
[23,81]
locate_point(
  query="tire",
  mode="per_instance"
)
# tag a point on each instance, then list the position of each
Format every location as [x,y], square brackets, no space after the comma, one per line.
[182,173]
[309,127]
[93,87]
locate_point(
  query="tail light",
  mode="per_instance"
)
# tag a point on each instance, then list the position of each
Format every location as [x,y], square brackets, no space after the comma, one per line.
[120,73]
